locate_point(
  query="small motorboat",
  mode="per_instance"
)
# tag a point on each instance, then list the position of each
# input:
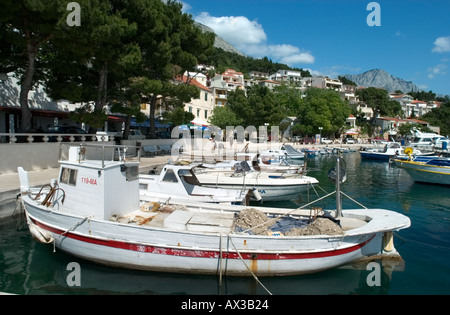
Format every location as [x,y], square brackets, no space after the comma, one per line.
[389,151]
[178,183]
[432,170]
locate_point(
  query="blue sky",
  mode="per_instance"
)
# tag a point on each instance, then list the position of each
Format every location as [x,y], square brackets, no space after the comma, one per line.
[332,37]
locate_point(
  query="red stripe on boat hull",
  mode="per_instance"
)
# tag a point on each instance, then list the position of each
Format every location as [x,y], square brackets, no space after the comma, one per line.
[200,253]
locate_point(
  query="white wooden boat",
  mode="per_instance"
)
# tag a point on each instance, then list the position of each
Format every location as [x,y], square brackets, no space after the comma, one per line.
[93,211]
[431,170]
[178,183]
[271,186]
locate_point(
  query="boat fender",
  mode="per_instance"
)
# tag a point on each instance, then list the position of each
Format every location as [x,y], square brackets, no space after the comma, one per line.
[256,194]
[39,234]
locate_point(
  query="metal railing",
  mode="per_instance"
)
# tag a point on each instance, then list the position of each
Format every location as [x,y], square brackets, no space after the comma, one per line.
[100,151]
[51,137]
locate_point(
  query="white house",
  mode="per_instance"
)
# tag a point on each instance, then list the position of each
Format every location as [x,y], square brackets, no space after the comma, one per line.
[326,83]
[286,76]
[203,106]
[221,84]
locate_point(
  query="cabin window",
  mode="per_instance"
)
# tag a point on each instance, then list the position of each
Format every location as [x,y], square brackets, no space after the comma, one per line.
[68,176]
[170,177]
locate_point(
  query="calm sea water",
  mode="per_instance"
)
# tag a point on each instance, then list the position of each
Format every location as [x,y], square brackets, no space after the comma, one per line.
[28,267]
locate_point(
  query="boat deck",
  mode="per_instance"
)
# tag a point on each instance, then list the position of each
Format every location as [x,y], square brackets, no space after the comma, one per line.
[181,220]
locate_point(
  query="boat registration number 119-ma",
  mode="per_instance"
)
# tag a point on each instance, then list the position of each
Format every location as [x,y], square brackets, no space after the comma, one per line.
[89,181]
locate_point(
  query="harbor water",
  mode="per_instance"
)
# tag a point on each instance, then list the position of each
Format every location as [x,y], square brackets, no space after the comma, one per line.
[28,267]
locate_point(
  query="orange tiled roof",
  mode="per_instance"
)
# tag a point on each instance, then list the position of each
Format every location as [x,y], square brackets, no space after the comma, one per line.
[193,82]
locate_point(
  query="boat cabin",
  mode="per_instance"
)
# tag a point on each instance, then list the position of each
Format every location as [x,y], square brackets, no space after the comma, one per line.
[171,177]
[96,187]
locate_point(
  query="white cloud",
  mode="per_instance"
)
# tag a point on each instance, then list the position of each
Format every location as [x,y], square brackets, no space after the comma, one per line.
[298,58]
[238,30]
[439,69]
[250,38]
[442,44]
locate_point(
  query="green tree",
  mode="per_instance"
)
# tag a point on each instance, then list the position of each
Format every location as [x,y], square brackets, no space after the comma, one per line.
[170,42]
[322,108]
[92,63]
[380,102]
[178,116]
[223,116]
[440,117]
[423,96]
[239,104]
[256,107]
[27,26]
[288,99]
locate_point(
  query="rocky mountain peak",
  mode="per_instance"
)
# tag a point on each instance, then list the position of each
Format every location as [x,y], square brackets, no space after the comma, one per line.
[219,42]
[382,79]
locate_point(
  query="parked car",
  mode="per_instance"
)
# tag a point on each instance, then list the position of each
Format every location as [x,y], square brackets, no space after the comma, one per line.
[350,141]
[326,141]
[66,129]
[135,134]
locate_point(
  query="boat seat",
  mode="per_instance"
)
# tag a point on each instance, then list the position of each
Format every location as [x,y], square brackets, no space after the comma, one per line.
[211,222]
[177,220]
[351,223]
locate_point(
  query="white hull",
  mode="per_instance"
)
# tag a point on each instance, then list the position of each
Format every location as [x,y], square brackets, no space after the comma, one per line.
[179,184]
[271,186]
[157,249]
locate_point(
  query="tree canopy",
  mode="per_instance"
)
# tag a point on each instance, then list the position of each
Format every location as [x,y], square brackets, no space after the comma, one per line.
[380,102]
[322,108]
[260,106]
[440,117]
[95,62]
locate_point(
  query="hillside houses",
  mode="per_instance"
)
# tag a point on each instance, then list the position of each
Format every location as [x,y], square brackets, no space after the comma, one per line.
[413,108]
[214,91]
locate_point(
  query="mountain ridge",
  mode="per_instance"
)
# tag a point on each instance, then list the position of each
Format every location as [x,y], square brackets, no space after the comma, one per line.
[382,79]
[219,42]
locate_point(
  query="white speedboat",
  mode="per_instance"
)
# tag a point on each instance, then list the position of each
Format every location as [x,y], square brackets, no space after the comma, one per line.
[427,141]
[178,183]
[270,185]
[285,152]
[259,162]
[93,211]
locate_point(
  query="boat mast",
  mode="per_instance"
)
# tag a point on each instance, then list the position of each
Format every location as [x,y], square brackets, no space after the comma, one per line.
[338,186]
